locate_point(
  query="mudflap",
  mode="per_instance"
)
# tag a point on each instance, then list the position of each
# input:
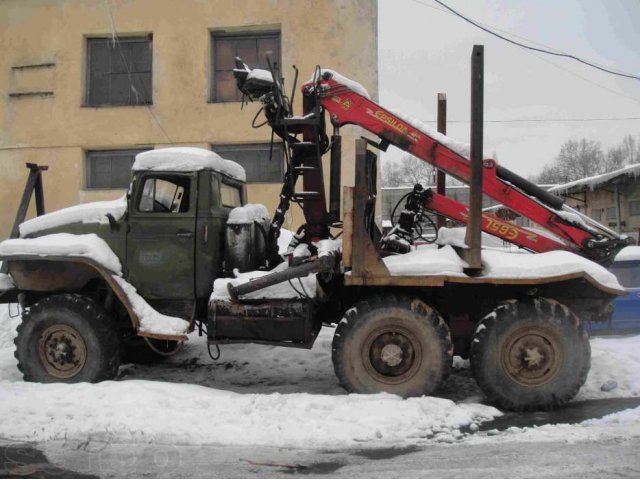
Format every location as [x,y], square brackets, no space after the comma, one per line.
[290,323]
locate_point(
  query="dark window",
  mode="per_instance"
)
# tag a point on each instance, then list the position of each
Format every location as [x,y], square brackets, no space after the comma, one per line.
[119,71]
[255,160]
[596,214]
[611,213]
[634,207]
[165,195]
[628,273]
[110,168]
[252,48]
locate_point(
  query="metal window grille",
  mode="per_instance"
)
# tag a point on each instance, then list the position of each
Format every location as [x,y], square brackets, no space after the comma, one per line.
[255,160]
[119,71]
[110,168]
[253,48]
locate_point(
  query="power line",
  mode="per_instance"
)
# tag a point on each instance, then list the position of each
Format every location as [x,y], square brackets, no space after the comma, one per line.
[116,42]
[536,49]
[539,57]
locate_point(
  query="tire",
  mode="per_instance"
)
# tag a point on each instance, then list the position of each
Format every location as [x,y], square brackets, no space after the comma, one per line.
[391,344]
[67,338]
[530,354]
[136,349]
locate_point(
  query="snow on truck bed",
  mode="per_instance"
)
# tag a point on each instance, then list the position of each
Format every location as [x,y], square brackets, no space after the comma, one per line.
[499,265]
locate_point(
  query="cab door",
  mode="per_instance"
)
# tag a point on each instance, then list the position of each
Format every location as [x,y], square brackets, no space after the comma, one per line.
[161,236]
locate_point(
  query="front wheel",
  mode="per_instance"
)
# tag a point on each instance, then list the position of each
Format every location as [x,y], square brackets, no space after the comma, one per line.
[67,338]
[391,344]
[530,354]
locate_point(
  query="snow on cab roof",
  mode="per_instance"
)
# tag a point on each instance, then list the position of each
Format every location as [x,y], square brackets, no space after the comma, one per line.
[187,159]
[593,182]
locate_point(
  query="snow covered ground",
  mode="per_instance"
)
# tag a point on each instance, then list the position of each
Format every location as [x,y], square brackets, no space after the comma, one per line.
[260,395]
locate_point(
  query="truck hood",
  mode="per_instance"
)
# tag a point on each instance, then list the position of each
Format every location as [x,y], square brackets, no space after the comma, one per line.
[95,212]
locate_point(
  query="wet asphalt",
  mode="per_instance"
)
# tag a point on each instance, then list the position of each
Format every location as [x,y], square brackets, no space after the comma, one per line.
[28,461]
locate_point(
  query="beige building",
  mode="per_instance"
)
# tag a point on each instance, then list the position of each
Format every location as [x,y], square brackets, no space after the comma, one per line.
[612,199]
[86,84]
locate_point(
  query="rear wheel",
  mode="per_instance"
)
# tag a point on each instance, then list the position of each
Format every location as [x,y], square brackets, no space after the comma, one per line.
[392,344]
[67,338]
[530,354]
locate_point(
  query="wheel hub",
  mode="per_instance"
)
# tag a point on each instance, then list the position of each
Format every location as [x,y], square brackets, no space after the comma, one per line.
[391,354]
[532,356]
[62,351]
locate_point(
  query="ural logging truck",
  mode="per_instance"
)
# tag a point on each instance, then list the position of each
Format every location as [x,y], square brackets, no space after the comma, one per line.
[101,282]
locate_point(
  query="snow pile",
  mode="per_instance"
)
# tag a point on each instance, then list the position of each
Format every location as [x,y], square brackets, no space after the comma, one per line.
[315,421]
[248,213]
[151,321]
[342,80]
[616,362]
[628,254]
[327,246]
[187,159]
[64,245]
[427,261]
[95,212]
[296,288]
[461,148]
[542,265]
[597,180]
[259,74]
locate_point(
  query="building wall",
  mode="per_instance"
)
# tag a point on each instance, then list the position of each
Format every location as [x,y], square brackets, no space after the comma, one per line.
[57,130]
[603,199]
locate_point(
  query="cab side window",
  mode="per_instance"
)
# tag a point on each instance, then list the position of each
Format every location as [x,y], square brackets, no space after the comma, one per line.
[165,195]
[230,195]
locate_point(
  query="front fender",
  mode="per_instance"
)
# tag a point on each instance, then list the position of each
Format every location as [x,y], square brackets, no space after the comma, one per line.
[51,273]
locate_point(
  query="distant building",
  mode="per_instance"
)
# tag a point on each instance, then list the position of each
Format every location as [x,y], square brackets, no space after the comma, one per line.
[612,199]
[87,84]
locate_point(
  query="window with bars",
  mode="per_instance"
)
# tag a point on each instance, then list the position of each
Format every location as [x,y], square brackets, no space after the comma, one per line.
[634,207]
[110,168]
[253,48]
[611,213]
[255,160]
[119,71]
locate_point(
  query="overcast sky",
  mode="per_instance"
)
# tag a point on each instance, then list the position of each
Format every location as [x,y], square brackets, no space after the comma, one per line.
[423,50]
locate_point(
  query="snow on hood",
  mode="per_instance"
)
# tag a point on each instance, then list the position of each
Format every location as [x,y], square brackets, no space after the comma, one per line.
[93,247]
[95,212]
[187,159]
[248,214]
[64,245]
